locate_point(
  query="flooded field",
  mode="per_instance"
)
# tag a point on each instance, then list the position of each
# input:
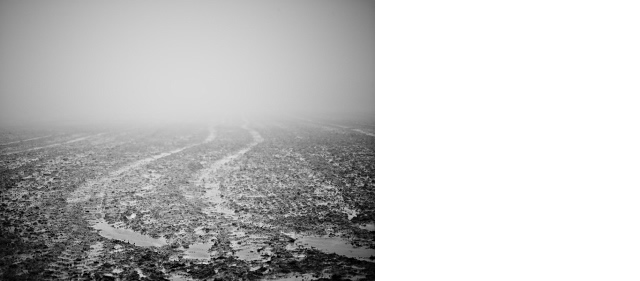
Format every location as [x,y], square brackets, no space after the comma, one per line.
[336,245]
[286,199]
[126,235]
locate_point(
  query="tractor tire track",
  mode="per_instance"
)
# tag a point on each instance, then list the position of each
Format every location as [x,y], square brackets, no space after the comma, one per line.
[55,144]
[212,185]
[333,127]
[74,261]
[20,141]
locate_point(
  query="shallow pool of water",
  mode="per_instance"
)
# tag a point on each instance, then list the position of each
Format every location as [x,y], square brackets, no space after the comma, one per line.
[179,277]
[368,226]
[335,245]
[297,277]
[247,252]
[198,251]
[127,235]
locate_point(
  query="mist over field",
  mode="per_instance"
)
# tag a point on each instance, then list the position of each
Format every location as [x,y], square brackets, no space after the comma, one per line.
[187,140]
[124,61]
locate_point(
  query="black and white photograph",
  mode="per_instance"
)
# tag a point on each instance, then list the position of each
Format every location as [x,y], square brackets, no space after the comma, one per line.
[244,139]
[187,140]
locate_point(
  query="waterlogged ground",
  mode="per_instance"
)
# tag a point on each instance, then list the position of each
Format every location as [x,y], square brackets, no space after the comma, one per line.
[288,199]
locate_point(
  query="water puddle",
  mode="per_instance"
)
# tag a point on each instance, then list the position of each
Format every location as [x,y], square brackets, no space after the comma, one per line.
[198,251]
[248,252]
[127,235]
[336,245]
[179,277]
[368,226]
[297,277]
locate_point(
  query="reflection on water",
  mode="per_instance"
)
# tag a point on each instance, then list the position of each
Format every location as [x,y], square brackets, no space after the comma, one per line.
[198,251]
[179,277]
[297,277]
[336,245]
[368,226]
[247,252]
[128,235]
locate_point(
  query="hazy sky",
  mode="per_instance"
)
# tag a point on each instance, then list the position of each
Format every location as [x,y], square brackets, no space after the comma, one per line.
[69,60]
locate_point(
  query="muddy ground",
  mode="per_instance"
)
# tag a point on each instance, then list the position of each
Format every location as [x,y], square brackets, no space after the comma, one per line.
[288,199]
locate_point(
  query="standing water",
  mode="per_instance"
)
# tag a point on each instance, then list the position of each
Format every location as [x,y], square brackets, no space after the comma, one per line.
[128,235]
[336,245]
